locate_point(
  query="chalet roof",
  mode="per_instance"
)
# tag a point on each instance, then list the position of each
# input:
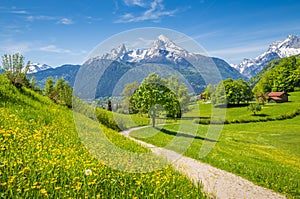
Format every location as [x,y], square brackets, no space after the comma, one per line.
[276,98]
[276,94]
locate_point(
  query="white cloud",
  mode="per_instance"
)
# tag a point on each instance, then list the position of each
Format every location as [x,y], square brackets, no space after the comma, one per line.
[59,20]
[90,19]
[19,12]
[21,48]
[40,17]
[134,3]
[54,49]
[65,21]
[154,12]
[12,10]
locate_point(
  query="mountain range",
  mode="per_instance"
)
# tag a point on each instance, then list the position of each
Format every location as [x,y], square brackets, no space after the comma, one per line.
[163,56]
[36,67]
[280,49]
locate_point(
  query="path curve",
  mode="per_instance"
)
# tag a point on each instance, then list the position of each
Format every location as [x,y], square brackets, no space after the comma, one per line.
[216,182]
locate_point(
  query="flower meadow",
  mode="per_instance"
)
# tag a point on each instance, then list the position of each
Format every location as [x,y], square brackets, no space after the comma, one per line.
[42,156]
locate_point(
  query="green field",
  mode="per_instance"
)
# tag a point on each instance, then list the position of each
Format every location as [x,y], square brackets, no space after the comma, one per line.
[43,156]
[270,111]
[266,153]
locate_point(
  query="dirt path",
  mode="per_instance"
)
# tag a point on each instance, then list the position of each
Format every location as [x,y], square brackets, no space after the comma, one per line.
[219,183]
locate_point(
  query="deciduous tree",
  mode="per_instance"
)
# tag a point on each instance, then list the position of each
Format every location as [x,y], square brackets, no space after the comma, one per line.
[156,94]
[15,70]
[231,91]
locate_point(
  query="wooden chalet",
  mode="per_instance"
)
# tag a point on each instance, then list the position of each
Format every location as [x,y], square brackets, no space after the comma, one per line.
[278,97]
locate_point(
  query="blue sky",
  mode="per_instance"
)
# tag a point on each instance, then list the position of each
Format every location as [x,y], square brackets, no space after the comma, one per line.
[59,32]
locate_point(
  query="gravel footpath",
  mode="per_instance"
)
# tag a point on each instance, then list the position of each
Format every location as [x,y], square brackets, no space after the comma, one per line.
[216,182]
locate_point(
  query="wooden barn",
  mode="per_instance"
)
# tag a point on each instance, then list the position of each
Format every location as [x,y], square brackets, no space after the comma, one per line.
[278,97]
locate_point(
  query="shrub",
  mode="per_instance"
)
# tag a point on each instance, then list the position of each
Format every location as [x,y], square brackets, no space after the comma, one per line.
[254,108]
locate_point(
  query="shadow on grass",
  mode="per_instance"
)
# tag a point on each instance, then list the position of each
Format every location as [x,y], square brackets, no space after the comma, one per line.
[231,105]
[184,135]
[261,115]
[191,118]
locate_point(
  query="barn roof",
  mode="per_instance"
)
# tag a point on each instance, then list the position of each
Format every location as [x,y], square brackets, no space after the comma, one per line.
[276,94]
[276,98]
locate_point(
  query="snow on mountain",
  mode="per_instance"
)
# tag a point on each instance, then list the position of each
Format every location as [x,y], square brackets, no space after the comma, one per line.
[280,49]
[36,67]
[116,53]
[162,50]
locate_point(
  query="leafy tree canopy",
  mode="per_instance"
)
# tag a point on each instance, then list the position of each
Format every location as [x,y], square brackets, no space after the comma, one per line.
[61,93]
[231,91]
[156,94]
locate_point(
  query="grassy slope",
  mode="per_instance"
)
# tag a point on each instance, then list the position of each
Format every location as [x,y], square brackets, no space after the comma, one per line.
[43,156]
[266,153]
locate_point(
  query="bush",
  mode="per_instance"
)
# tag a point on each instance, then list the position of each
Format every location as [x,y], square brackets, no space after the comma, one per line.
[254,108]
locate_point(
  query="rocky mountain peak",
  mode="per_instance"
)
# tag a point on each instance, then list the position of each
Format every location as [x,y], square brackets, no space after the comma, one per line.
[280,49]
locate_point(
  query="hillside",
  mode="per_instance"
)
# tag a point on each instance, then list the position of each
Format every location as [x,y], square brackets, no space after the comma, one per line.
[43,156]
[255,79]
[280,75]
[67,72]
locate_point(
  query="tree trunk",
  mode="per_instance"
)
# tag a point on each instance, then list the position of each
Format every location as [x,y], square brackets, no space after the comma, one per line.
[153,121]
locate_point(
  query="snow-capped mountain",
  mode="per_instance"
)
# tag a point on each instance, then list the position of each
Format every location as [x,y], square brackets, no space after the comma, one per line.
[280,49]
[164,56]
[36,67]
[163,50]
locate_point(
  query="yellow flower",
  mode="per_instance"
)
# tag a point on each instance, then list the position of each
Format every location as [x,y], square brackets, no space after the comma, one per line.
[138,182]
[43,191]
[3,183]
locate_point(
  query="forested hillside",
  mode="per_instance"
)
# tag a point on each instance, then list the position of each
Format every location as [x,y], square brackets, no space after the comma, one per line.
[282,75]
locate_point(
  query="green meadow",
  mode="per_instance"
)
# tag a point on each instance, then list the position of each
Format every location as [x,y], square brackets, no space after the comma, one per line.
[269,112]
[266,153]
[45,153]
[43,156]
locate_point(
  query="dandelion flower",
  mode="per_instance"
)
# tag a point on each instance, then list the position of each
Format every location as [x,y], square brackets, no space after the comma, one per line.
[88,172]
